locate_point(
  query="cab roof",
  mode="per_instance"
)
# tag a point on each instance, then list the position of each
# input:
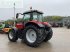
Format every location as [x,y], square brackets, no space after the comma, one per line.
[32,11]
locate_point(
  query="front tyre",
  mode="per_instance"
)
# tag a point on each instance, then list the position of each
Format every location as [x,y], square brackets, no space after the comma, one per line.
[12,36]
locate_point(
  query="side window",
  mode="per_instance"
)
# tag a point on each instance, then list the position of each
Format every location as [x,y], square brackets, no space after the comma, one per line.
[35,16]
[26,17]
[40,17]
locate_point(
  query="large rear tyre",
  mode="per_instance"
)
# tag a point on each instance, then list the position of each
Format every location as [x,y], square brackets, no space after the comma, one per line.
[49,35]
[33,36]
[12,36]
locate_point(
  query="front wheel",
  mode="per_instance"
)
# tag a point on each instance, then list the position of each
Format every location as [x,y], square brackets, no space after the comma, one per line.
[12,36]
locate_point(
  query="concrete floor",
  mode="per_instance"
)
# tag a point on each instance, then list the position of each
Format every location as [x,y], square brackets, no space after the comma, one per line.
[59,43]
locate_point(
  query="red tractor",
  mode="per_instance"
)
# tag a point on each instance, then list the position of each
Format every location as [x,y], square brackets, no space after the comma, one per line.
[32,30]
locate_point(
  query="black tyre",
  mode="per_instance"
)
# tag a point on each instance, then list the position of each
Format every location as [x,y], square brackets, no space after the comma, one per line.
[33,36]
[12,36]
[49,35]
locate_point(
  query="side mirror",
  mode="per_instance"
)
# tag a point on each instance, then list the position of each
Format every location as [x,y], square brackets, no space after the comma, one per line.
[17,15]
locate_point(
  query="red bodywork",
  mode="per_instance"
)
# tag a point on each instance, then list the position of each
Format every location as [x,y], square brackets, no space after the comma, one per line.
[46,23]
[37,22]
[22,26]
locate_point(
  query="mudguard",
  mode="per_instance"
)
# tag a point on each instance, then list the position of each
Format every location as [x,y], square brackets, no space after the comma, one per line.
[37,23]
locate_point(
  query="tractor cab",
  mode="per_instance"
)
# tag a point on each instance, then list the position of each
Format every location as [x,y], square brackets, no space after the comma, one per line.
[31,15]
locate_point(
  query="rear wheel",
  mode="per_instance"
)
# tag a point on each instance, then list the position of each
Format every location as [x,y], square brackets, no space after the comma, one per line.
[49,35]
[32,36]
[12,36]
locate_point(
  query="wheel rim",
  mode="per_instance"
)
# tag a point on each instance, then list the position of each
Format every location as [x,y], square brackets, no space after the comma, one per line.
[31,36]
[10,35]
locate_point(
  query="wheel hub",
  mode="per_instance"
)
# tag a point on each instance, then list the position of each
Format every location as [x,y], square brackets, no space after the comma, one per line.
[31,35]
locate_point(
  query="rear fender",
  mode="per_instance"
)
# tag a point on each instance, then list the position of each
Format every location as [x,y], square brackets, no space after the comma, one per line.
[34,23]
[46,24]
